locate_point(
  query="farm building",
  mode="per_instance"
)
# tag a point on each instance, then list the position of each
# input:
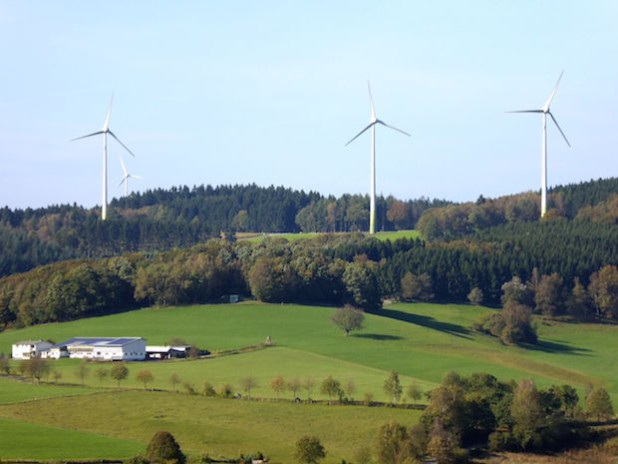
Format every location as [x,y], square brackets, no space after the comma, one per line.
[102,349]
[29,349]
[166,352]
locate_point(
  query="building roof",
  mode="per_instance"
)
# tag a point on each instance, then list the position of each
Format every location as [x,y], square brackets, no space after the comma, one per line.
[30,342]
[98,342]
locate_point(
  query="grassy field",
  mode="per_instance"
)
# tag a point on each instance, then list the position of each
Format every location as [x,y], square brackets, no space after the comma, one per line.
[420,341]
[49,443]
[215,426]
[17,391]
[390,235]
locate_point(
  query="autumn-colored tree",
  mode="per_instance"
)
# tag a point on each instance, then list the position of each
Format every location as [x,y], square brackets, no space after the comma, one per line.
[277,385]
[603,290]
[399,214]
[144,376]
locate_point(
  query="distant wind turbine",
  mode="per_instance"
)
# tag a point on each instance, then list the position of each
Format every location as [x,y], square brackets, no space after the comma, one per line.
[372,125]
[105,131]
[545,111]
[126,177]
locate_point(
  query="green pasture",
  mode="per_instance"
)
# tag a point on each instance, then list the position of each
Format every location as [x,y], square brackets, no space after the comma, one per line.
[420,341]
[291,237]
[262,365]
[27,441]
[205,425]
[16,391]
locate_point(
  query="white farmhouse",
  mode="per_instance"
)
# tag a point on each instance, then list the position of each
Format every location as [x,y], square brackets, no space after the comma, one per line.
[29,349]
[101,349]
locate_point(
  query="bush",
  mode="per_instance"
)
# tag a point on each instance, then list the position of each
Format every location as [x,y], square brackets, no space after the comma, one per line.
[209,390]
[163,449]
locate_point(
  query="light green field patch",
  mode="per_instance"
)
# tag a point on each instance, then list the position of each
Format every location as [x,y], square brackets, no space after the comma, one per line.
[216,426]
[26,441]
[262,365]
[15,391]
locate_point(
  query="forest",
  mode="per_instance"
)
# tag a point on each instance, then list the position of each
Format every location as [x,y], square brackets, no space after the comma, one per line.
[181,217]
[565,263]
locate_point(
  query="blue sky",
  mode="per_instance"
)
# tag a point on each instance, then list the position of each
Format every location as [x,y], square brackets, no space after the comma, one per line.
[269,92]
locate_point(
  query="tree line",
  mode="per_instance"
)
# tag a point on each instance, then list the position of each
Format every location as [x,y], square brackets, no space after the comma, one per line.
[180,217]
[570,276]
[593,201]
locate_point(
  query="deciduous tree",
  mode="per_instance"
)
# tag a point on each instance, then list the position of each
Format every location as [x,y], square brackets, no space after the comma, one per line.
[277,385]
[144,376]
[348,318]
[309,450]
[163,449]
[119,372]
[392,387]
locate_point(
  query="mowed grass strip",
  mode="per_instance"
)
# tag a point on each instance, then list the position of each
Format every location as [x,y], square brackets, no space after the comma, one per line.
[215,426]
[26,441]
[15,391]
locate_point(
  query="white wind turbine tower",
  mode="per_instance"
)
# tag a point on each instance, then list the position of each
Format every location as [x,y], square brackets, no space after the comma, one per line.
[126,177]
[105,131]
[372,125]
[545,111]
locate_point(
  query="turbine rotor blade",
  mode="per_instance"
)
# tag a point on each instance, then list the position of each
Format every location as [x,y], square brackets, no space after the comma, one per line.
[85,136]
[373,111]
[123,180]
[556,123]
[136,177]
[109,114]
[118,140]
[553,93]
[394,128]
[526,111]
[358,135]
[124,169]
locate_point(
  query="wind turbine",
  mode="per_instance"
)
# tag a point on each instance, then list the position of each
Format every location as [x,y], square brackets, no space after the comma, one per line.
[126,177]
[105,131]
[545,111]
[372,125]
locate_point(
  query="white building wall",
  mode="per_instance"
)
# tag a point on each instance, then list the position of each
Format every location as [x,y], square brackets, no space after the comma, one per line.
[26,350]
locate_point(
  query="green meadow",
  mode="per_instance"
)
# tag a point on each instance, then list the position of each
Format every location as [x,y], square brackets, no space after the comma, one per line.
[419,341]
[291,237]
[27,441]
[212,425]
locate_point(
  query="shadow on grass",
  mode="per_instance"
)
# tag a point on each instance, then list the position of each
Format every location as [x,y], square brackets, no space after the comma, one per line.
[379,337]
[426,321]
[557,347]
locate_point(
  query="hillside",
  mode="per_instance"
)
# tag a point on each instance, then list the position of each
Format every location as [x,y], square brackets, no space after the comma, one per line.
[422,342]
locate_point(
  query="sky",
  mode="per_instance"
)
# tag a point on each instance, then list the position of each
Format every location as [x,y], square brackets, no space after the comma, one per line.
[269,92]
